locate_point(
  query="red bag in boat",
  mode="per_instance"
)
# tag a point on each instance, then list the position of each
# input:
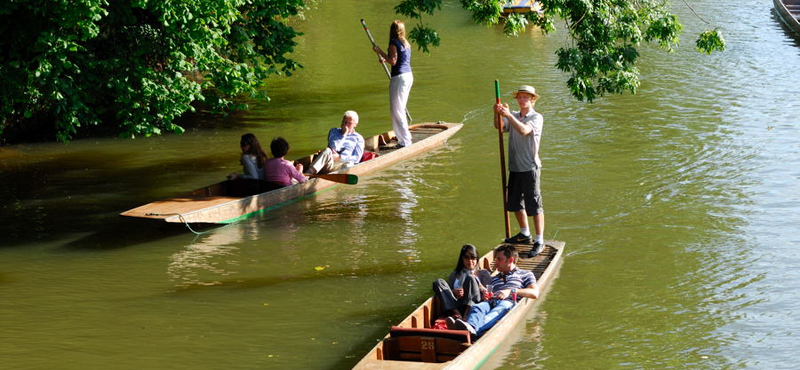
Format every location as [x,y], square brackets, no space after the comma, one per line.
[367,156]
[440,324]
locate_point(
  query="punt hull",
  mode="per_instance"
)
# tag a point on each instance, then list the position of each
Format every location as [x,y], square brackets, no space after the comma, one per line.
[212,204]
[522,6]
[545,266]
[789,12]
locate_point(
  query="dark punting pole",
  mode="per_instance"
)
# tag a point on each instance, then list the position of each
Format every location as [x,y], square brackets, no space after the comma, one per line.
[385,68]
[499,123]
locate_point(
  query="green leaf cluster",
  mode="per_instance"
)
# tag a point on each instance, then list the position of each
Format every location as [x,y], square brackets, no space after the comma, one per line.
[604,36]
[423,36]
[710,41]
[136,64]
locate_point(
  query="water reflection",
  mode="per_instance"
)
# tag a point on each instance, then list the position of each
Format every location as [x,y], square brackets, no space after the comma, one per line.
[210,258]
[406,204]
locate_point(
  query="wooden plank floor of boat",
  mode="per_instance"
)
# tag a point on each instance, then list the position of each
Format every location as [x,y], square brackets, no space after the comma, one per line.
[177,205]
[538,264]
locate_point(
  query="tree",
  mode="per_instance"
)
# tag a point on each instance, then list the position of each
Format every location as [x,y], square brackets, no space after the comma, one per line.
[604,34]
[138,64]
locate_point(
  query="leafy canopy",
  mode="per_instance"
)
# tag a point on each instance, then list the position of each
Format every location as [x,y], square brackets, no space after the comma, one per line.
[138,64]
[604,35]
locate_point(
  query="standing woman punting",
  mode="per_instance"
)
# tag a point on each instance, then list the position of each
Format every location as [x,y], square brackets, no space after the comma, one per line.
[399,57]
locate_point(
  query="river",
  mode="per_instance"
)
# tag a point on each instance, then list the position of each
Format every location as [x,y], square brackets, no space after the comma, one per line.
[679,208]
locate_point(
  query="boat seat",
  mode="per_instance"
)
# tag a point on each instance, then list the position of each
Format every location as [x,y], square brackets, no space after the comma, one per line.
[425,345]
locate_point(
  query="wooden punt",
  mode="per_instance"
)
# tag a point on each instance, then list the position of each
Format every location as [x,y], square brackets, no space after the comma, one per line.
[229,201]
[414,345]
[522,6]
[789,12]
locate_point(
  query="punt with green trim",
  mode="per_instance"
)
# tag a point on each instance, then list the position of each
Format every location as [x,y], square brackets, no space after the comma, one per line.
[415,345]
[229,201]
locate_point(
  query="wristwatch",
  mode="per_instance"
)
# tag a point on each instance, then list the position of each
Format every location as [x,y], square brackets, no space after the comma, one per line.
[513,291]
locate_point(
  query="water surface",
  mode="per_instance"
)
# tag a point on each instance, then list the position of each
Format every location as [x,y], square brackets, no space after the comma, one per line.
[678,205]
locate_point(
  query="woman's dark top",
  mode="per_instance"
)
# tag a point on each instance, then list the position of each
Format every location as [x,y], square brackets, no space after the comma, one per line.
[403,64]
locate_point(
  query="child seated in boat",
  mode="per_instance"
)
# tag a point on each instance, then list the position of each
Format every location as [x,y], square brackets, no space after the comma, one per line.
[280,171]
[465,286]
[252,160]
[345,147]
[509,283]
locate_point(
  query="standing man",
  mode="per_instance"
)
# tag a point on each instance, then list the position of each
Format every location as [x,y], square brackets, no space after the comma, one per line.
[345,146]
[524,195]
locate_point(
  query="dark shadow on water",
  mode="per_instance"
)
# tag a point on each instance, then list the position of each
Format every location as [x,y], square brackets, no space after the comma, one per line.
[125,232]
[78,193]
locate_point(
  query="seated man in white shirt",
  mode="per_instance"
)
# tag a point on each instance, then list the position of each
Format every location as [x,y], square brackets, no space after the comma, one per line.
[345,147]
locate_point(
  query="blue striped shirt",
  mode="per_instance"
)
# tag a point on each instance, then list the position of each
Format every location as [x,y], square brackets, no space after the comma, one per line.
[516,279]
[350,147]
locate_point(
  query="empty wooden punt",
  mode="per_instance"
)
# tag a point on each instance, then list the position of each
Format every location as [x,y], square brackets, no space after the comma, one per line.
[414,345]
[229,201]
[789,12]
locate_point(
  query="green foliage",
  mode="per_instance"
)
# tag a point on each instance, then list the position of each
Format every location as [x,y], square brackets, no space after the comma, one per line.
[136,64]
[415,8]
[423,36]
[710,41]
[484,12]
[604,36]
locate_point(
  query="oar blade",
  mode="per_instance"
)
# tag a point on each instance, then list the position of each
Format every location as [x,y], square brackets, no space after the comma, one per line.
[342,178]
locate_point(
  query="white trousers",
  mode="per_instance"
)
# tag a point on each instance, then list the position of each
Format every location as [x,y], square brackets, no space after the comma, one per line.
[399,89]
[324,163]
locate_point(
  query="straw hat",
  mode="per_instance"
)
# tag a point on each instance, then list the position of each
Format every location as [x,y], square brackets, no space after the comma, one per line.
[528,90]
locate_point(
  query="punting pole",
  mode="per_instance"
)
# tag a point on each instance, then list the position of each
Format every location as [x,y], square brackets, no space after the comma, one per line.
[499,123]
[385,68]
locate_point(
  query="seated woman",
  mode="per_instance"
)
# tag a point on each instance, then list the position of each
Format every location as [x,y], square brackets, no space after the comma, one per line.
[253,158]
[465,286]
[280,171]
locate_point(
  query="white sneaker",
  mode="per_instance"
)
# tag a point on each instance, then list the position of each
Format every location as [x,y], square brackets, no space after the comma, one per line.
[463,325]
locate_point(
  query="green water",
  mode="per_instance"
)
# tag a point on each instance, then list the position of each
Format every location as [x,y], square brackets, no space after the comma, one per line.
[678,206]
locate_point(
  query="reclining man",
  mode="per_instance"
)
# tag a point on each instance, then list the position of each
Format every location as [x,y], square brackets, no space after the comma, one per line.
[510,282]
[345,147]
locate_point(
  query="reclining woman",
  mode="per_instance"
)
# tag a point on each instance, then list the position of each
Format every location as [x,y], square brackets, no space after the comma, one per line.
[465,286]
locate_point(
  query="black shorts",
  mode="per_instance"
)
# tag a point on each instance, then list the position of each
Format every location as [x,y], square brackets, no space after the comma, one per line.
[524,193]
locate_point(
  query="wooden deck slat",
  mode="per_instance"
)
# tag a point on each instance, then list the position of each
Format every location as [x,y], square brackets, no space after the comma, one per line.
[177,205]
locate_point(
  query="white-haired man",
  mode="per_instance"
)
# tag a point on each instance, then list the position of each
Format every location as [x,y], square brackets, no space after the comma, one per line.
[345,146]
[524,195]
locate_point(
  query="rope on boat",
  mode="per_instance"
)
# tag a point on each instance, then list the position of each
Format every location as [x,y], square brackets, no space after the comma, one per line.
[185,223]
